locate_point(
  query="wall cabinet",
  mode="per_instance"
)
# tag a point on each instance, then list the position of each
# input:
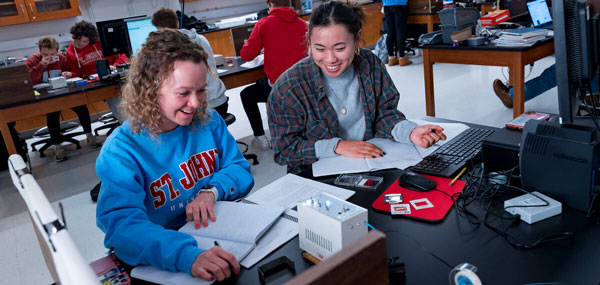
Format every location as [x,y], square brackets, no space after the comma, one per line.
[221,42]
[14,12]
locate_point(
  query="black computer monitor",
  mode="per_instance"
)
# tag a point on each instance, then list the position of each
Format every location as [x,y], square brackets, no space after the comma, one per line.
[516,8]
[576,44]
[138,30]
[113,37]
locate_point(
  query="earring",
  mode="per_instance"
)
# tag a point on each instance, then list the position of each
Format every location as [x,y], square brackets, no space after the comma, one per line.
[357,51]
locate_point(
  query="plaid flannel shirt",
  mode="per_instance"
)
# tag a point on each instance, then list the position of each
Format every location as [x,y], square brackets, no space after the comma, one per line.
[300,113]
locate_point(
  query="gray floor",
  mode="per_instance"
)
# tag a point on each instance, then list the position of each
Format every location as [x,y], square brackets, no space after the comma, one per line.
[463,92]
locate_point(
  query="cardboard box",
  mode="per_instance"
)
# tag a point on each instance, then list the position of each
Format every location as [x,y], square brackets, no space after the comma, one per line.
[421,7]
[494,18]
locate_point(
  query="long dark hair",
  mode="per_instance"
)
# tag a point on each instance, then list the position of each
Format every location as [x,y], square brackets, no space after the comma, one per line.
[335,12]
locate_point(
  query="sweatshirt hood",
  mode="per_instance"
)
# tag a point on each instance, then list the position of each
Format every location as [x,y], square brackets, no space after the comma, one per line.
[286,14]
[190,33]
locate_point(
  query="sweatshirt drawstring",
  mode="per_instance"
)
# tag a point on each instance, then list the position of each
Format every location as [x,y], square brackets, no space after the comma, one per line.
[77,56]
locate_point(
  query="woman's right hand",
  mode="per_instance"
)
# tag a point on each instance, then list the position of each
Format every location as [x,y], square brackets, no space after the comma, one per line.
[358,149]
[215,263]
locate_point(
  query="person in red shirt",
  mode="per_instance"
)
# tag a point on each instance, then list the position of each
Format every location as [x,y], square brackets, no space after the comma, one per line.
[84,50]
[50,63]
[282,34]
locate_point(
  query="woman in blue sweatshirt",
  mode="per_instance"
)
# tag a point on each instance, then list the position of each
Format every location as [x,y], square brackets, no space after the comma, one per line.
[168,163]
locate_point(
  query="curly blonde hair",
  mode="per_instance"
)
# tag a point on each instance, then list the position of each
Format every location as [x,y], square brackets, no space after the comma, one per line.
[152,65]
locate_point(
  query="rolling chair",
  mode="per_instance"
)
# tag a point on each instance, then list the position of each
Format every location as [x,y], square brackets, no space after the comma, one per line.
[110,123]
[230,119]
[64,128]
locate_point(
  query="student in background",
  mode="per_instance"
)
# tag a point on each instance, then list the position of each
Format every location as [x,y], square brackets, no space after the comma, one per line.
[396,15]
[166,18]
[84,50]
[329,103]
[50,63]
[282,34]
[168,163]
[534,87]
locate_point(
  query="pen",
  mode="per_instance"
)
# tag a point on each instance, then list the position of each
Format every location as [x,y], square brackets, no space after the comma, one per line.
[230,266]
[431,131]
[458,176]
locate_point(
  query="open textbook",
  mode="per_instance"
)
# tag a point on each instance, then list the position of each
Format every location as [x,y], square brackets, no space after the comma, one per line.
[238,228]
[398,155]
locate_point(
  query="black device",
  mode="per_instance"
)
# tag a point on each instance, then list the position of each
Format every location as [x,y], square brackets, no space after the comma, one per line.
[414,181]
[102,68]
[576,45]
[113,37]
[500,151]
[561,161]
[275,266]
[516,8]
[453,155]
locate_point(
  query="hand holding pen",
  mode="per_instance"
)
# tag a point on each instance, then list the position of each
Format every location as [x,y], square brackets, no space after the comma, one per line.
[215,264]
[427,135]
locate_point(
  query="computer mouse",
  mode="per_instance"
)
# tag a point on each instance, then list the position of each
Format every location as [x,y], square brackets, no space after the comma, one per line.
[414,181]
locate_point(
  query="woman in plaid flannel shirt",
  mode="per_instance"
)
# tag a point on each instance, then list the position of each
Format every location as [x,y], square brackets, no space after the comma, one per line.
[329,103]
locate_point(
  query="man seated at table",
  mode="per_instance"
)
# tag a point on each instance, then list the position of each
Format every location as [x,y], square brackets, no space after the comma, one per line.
[42,66]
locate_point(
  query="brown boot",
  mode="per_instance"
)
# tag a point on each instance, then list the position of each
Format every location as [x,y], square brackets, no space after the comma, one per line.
[403,61]
[392,60]
[502,92]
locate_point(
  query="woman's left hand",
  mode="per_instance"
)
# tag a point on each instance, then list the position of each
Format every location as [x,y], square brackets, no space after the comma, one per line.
[427,135]
[201,209]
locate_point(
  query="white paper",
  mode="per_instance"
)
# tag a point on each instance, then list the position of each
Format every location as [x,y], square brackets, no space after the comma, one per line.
[281,232]
[219,71]
[397,155]
[257,61]
[288,190]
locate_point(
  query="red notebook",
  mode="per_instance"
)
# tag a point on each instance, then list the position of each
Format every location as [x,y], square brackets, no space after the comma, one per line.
[430,206]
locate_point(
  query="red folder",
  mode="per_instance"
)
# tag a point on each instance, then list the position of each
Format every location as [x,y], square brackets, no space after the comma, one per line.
[434,204]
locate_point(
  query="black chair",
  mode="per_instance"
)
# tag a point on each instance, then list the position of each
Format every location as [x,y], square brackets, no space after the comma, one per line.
[110,123]
[229,119]
[64,128]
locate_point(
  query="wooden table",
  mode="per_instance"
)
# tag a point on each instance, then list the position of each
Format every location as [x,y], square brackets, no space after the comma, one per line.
[26,105]
[428,19]
[515,58]
[237,76]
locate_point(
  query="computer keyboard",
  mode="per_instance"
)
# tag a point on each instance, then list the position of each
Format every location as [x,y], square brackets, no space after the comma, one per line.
[453,155]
